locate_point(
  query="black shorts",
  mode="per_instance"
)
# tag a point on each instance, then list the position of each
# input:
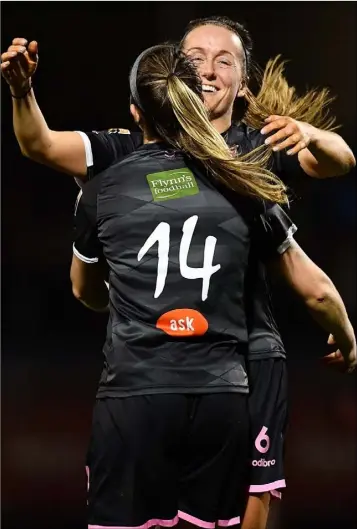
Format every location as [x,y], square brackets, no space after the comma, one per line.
[155,459]
[268,410]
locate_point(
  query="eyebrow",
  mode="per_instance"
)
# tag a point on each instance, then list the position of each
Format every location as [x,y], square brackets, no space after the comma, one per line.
[221,52]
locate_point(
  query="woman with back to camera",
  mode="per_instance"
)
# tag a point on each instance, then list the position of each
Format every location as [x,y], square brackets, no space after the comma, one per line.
[222,52]
[175,222]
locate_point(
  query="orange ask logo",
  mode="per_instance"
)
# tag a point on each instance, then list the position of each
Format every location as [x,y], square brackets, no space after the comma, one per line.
[183,322]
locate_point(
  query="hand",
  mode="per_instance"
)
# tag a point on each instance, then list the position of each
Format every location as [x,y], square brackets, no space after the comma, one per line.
[18,65]
[291,133]
[342,361]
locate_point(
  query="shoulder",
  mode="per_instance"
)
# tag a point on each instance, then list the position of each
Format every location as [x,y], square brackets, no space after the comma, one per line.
[255,137]
[245,138]
[118,135]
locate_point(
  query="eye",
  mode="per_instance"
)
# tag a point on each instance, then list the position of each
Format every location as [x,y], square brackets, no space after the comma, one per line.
[226,62]
[196,59]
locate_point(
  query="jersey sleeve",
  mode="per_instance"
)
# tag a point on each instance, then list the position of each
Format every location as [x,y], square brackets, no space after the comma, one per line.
[86,245]
[273,231]
[107,147]
[285,167]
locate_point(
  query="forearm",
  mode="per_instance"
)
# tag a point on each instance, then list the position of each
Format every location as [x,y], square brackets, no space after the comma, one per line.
[330,313]
[316,290]
[332,155]
[30,127]
[94,297]
[88,284]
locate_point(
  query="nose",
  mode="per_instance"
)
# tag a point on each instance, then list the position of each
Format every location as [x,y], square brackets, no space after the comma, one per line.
[208,70]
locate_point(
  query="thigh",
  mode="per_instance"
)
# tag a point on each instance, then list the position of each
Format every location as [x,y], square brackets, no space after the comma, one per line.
[132,460]
[268,409]
[215,466]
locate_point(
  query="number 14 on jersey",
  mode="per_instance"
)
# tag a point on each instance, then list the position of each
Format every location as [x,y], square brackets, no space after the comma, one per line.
[161,236]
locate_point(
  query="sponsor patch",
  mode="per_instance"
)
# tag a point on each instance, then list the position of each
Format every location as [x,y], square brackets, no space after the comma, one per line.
[183,322]
[168,185]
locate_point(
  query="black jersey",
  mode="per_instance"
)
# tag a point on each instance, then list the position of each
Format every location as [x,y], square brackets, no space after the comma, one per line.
[178,253]
[107,147]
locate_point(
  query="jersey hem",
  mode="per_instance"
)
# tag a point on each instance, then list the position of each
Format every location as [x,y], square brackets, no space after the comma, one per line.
[117,393]
[262,355]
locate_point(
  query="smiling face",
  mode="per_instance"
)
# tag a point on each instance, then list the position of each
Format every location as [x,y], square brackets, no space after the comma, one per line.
[219,57]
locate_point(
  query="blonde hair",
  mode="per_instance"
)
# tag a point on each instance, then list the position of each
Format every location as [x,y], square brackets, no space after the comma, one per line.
[170,94]
[276,96]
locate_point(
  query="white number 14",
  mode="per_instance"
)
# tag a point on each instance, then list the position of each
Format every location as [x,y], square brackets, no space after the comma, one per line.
[161,236]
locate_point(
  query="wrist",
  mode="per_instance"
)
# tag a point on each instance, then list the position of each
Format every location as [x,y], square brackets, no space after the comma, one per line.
[314,135]
[345,337]
[20,92]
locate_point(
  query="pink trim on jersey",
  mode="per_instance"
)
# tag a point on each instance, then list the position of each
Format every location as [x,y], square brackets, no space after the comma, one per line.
[147,525]
[171,523]
[269,487]
[228,523]
[196,521]
[276,494]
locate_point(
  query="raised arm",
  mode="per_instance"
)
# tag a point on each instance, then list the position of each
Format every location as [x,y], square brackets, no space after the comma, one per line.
[63,151]
[321,153]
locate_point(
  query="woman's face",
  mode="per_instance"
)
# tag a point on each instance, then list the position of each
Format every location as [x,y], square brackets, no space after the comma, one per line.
[219,57]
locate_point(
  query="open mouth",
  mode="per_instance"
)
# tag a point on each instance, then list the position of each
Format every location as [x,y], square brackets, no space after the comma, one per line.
[209,89]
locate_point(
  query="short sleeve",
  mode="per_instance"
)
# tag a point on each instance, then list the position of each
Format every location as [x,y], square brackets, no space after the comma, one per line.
[86,244]
[287,168]
[105,148]
[273,231]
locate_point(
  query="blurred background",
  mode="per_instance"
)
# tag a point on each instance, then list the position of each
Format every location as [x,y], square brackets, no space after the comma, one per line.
[51,345]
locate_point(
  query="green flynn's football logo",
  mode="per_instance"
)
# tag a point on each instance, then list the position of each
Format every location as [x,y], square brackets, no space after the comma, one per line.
[168,185]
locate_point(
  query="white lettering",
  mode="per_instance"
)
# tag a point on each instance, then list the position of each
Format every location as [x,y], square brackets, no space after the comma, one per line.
[161,235]
[173,325]
[189,324]
[181,325]
[208,269]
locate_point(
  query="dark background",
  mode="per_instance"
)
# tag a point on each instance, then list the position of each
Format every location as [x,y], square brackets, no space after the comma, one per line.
[51,346]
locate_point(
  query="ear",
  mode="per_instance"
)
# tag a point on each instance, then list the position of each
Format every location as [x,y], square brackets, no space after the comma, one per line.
[243,88]
[135,112]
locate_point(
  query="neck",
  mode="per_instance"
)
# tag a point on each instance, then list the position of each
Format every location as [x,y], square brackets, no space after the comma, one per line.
[222,123]
[148,138]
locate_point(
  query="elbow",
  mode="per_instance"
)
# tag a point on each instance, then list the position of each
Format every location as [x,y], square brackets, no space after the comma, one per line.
[36,149]
[348,163]
[77,292]
[351,161]
[35,153]
[320,296]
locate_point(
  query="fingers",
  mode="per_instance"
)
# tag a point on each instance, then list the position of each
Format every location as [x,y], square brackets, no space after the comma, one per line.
[335,356]
[33,50]
[13,65]
[298,147]
[290,140]
[12,52]
[331,340]
[19,41]
[280,135]
[271,118]
[16,64]
[336,361]
[275,124]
